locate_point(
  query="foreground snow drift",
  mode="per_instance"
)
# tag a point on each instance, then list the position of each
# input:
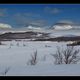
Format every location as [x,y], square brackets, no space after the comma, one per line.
[14,57]
[46,70]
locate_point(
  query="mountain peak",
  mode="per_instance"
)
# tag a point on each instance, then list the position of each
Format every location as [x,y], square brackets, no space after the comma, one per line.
[5,26]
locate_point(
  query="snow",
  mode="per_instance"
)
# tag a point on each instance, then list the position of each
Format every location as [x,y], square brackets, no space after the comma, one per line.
[65,27]
[38,35]
[15,55]
[46,70]
[31,27]
[5,26]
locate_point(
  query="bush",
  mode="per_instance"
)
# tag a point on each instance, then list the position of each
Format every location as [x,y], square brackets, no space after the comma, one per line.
[33,60]
[66,56]
[0,43]
[47,46]
[24,45]
[5,71]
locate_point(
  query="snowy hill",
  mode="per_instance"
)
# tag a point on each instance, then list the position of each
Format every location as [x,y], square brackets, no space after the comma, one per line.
[32,28]
[58,30]
[62,26]
[5,26]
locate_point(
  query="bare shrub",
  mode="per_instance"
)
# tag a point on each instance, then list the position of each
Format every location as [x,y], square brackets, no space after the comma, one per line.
[17,44]
[47,46]
[33,60]
[0,43]
[10,45]
[24,45]
[5,71]
[66,56]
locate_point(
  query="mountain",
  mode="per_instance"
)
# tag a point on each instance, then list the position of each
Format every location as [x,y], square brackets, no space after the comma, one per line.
[62,26]
[34,28]
[5,26]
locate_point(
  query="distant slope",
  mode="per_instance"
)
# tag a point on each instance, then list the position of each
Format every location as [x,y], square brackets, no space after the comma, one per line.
[23,35]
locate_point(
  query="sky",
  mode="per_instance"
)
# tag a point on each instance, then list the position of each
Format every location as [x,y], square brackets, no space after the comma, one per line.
[43,15]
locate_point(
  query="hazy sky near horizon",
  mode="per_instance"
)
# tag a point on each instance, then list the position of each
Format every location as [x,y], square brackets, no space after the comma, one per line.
[19,15]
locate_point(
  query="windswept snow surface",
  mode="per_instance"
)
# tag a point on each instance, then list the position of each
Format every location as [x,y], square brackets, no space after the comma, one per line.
[14,55]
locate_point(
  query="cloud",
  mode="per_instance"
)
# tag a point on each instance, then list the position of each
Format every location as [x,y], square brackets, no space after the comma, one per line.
[2,12]
[32,15]
[38,22]
[66,21]
[52,10]
[24,20]
[20,19]
[28,14]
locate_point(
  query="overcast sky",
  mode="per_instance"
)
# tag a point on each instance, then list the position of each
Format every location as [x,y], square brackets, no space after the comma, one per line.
[19,15]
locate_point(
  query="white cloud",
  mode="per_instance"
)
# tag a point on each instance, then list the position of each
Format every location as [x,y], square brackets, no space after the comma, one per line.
[52,10]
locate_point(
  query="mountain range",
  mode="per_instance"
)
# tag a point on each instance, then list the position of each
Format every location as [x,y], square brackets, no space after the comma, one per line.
[58,30]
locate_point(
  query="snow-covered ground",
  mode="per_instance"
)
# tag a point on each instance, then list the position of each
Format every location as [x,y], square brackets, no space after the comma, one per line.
[16,54]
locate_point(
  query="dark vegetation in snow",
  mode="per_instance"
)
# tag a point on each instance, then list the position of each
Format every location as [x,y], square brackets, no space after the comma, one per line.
[33,36]
[22,35]
[0,43]
[69,55]
[33,60]
[60,39]
[5,71]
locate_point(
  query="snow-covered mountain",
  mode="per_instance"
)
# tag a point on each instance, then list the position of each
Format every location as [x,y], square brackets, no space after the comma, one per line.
[62,26]
[57,30]
[65,26]
[34,28]
[5,26]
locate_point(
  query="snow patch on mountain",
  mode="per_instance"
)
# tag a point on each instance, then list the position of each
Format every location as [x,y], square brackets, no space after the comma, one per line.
[5,26]
[64,27]
[31,27]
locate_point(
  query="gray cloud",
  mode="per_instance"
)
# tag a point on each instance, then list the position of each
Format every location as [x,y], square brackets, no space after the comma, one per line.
[28,14]
[23,20]
[3,12]
[38,22]
[52,10]
[66,21]
[32,15]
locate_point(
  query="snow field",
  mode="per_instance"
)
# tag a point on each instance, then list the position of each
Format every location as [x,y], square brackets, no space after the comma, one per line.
[15,55]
